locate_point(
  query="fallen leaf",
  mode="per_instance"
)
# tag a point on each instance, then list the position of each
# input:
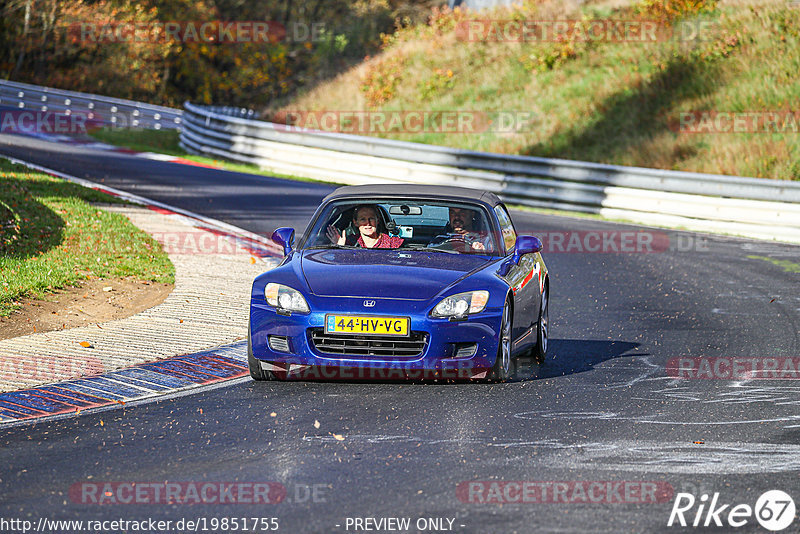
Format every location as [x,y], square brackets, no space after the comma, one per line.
[273,414]
[252,259]
[338,437]
[85,344]
[316,423]
[181,320]
[773,300]
[108,288]
[102,423]
[699,442]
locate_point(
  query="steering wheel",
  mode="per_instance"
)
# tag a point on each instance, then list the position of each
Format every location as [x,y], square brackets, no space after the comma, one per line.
[453,242]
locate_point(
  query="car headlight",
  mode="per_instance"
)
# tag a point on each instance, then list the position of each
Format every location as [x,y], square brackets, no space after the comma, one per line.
[461,304]
[286,298]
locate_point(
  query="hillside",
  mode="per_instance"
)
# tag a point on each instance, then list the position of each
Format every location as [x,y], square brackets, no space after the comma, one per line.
[247,52]
[715,91]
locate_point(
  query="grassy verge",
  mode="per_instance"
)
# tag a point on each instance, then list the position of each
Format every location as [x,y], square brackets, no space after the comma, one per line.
[786,265]
[160,141]
[166,142]
[51,236]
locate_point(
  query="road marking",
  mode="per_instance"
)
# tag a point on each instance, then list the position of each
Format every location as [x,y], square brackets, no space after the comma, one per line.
[193,372]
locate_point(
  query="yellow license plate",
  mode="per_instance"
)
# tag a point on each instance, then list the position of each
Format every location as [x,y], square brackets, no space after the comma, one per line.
[356,324]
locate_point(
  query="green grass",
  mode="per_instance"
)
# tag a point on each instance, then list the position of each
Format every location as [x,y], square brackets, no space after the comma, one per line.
[786,265]
[51,236]
[166,142]
[160,141]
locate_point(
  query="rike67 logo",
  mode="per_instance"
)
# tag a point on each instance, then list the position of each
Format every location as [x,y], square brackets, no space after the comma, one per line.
[774,510]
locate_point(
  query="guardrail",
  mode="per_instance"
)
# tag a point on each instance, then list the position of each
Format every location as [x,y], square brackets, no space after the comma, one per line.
[759,208]
[115,112]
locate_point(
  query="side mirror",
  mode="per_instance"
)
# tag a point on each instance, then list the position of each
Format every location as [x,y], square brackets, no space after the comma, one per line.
[526,244]
[285,238]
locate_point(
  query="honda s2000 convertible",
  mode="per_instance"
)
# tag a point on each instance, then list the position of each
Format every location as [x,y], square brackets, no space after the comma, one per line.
[431,281]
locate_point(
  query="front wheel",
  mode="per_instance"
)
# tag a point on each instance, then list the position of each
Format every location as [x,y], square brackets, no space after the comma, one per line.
[256,371]
[502,364]
[539,352]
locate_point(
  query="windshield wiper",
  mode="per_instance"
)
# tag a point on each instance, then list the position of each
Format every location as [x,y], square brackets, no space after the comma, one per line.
[430,249]
[331,245]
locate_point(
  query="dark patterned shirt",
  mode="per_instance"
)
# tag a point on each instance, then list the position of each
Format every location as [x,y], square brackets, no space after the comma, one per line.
[384,241]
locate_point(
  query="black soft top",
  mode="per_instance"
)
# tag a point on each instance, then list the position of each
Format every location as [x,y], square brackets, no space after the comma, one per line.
[438,192]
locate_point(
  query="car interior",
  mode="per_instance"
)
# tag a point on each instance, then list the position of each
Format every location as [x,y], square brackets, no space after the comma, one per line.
[417,228]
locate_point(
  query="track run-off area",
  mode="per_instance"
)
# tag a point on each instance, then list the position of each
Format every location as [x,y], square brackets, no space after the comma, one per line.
[646,394]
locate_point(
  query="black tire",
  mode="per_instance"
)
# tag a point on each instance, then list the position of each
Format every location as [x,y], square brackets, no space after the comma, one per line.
[256,371]
[501,371]
[539,352]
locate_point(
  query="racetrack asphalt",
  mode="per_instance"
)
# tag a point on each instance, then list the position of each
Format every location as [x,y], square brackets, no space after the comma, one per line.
[602,408]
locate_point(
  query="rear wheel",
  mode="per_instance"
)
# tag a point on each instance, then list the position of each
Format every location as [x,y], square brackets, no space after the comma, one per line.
[502,364]
[256,371]
[539,352]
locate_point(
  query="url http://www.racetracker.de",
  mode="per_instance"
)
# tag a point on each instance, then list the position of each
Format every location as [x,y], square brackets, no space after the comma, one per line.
[196,524]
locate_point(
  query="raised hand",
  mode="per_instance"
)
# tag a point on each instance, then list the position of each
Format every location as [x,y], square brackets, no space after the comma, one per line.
[333,234]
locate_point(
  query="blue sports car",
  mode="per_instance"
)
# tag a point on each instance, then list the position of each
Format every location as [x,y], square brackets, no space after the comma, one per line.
[423,281]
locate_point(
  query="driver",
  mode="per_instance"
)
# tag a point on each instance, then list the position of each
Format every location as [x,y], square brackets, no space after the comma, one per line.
[462,225]
[367,221]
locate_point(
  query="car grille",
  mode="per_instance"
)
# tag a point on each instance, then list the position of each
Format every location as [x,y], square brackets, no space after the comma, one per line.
[369,346]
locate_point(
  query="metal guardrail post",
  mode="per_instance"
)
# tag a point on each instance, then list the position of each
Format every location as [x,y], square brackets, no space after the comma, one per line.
[109,111]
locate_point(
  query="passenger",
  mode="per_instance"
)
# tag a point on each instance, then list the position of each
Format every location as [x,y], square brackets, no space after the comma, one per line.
[369,225]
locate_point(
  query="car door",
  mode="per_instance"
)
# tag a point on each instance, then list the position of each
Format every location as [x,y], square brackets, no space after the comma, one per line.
[524,281]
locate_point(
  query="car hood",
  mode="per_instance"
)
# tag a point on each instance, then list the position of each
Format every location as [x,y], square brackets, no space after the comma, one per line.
[416,275]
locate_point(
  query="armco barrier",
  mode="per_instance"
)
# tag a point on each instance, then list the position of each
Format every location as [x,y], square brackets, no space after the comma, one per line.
[760,208]
[115,112]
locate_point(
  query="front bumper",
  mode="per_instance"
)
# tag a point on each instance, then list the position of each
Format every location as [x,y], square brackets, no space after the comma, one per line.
[448,345]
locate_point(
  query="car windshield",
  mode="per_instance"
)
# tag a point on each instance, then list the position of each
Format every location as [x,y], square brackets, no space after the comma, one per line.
[440,226]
